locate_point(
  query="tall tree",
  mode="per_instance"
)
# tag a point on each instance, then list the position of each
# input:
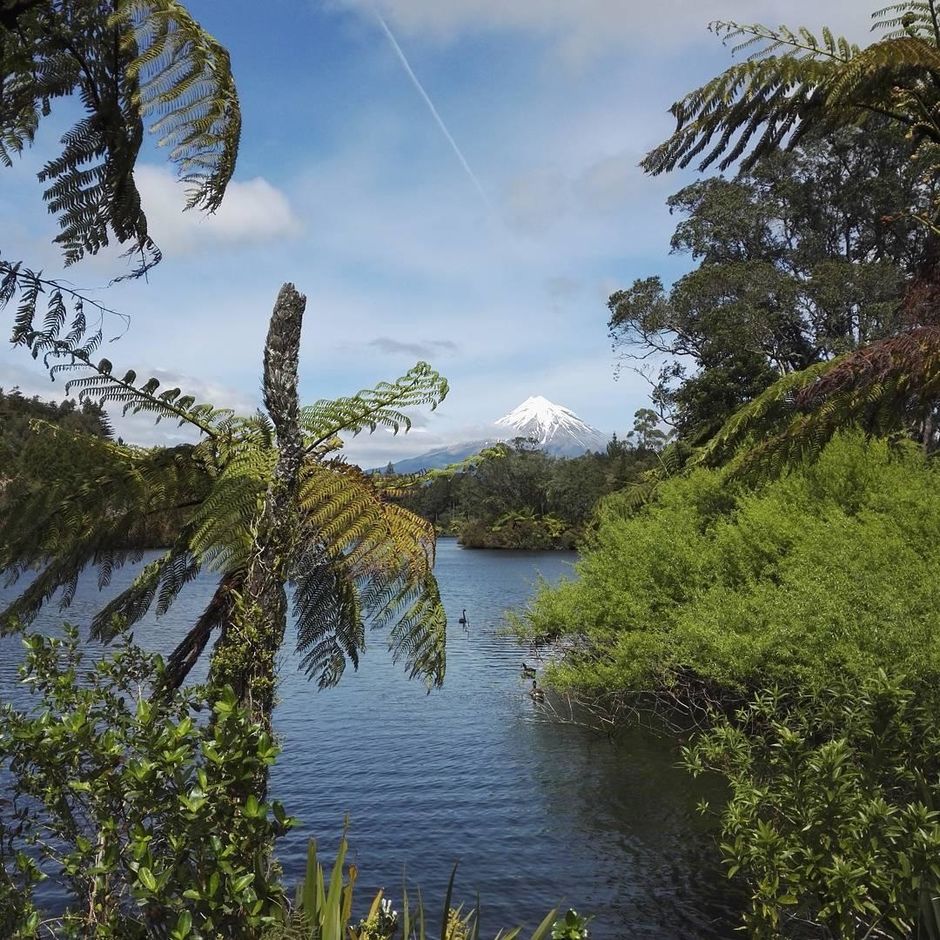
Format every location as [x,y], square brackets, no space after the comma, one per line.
[802,258]
[793,83]
[262,501]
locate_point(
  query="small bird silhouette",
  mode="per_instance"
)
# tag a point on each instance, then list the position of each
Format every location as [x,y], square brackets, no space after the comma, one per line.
[528,672]
[463,619]
[537,694]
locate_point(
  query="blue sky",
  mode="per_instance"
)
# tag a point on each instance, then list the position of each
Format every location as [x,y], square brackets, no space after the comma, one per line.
[347,186]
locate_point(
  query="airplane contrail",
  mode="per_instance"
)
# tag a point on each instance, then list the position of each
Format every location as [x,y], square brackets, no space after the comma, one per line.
[409,71]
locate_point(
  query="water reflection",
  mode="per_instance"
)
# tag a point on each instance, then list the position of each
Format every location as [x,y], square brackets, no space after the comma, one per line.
[538,813]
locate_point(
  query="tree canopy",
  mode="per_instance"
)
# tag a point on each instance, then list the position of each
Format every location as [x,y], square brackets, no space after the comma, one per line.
[520,497]
[802,258]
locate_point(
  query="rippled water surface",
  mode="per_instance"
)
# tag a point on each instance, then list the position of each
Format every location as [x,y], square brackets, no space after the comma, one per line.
[539,814]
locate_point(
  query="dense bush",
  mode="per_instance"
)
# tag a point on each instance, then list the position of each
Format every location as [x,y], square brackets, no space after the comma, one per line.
[834,815]
[722,590]
[141,807]
[523,529]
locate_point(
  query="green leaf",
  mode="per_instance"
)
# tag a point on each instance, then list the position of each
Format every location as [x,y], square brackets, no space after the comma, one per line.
[146,878]
[184,925]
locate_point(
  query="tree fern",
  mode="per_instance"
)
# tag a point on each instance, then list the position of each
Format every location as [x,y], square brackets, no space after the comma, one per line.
[128,62]
[261,501]
[789,83]
[792,81]
[889,387]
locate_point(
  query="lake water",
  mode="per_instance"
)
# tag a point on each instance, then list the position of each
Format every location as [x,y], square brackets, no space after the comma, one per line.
[539,814]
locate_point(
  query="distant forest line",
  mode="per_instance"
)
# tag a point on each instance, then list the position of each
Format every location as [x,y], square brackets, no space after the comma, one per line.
[518,498]
[525,498]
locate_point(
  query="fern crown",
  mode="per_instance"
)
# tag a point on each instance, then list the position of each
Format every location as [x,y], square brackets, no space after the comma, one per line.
[792,81]
[131,63]
[357,560]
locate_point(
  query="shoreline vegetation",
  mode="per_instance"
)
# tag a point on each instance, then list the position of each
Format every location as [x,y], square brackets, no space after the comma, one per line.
[523,498]
[767,566]
[775,591]
[517,497]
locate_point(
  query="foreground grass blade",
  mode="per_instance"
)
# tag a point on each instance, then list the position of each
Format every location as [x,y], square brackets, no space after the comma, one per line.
[543,928]
[308,896]
[405,913]
[332,927]
[447,899]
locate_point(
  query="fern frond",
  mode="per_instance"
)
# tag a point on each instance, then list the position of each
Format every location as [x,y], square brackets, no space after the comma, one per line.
[862,78]
[63,572]
[131,605]
[126,61]
[917,18]
[162,579]
[761,42]
[373,408]
[774,405]
[65,333]
[885,388]
[224,522]
[371,561]
[793,82]
[88,499]
[98,383]
[420,635]
[184,81]
[329,619]
[217,614]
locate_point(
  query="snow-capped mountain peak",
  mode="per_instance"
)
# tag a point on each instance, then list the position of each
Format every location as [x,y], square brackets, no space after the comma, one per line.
[553,427]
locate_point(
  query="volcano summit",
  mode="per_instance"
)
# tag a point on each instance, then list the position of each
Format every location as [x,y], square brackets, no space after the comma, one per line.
[553,428]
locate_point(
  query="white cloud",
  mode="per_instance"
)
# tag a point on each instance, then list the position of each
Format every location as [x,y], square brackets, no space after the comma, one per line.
[542,197]
[253,211]
[30,381]
[426,349]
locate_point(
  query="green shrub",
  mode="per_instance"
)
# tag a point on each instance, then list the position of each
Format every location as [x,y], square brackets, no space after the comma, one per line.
[142,807]
[723,591]
[834,815]
[143,804]
[521,529]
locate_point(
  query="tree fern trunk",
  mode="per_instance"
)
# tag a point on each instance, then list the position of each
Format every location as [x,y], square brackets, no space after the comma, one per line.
[246,655]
